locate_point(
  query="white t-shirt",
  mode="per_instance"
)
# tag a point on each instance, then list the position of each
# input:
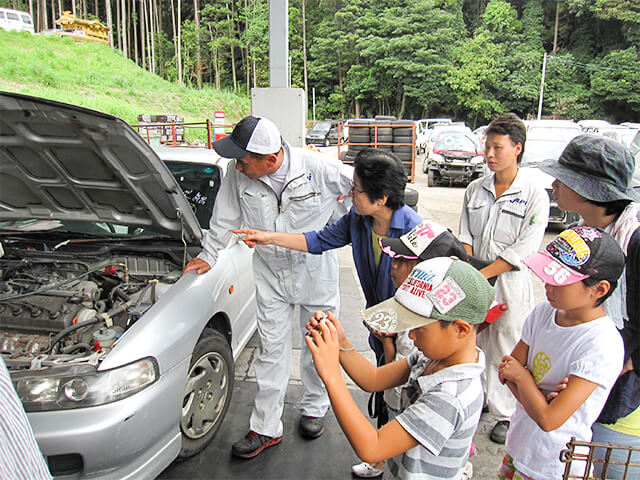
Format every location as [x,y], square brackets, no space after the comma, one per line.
[593,351]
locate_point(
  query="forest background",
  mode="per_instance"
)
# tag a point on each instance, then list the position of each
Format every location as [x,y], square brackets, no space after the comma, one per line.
[465,59]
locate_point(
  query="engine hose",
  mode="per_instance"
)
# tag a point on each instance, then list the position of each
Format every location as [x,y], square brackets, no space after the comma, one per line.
[72,328]
[78,346]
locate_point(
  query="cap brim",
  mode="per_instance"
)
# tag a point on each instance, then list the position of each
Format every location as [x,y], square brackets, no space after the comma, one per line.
[391,316]
[226,147]
[586,185]
[395,248]
[541,262]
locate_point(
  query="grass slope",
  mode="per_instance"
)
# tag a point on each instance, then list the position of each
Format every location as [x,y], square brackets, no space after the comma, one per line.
[95,76]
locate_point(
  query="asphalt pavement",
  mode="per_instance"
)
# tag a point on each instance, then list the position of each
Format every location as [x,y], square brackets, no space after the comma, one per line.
[329,456]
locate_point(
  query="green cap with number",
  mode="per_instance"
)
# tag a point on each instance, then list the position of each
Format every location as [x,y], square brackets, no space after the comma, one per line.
[442,288]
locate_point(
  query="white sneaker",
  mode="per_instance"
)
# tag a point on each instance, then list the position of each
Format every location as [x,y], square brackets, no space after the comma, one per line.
[365,470]
[468,471]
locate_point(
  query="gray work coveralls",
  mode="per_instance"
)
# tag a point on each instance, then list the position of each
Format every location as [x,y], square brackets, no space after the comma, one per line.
[315,190]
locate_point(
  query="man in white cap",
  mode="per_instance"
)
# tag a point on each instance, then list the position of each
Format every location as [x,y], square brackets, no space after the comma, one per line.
[281,189]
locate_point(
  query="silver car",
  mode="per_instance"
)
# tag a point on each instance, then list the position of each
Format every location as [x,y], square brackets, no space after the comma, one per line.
[122,364]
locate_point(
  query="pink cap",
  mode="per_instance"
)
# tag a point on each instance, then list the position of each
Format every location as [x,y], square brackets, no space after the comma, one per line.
[552,271]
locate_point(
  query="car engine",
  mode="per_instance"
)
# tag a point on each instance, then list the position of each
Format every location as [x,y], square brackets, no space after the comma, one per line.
[57,308]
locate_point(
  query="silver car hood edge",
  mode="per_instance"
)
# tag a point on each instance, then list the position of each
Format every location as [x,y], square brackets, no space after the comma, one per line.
[62,162]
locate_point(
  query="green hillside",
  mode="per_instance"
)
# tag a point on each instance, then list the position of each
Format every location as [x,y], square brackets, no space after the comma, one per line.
[95,76]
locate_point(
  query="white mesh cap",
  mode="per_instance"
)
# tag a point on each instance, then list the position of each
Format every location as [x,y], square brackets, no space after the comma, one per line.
[251,135]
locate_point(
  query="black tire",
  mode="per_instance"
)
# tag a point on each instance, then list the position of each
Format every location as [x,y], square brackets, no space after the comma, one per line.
[382,131]
[343,155]
[389,118]
[411,198]
[208,390]
[403,149]
[425,166]
[431,181]
[326,142]
[403,139]
[354,138]
[402,132]
[383,139]
[359,131]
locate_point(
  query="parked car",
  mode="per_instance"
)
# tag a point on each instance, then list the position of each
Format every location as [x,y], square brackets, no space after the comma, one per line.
[455,158]
[624,135]
[15,20]
[122,364]
[556,129]
[593,126]
[325,133]
[536,151]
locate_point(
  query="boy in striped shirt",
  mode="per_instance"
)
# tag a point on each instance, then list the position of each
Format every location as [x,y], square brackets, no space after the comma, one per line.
[441,304]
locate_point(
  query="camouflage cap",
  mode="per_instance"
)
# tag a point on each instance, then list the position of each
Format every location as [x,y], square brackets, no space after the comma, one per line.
[598,168]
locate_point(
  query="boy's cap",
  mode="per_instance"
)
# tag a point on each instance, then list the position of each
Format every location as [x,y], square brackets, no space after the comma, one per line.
[442,288]
[576,254]
[598,168]
[251,135]
[427,240]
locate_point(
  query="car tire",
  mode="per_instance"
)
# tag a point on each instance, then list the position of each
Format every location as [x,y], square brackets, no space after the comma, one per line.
[208,389]
[353,138]
[411,198]
[431,181]
[403,132]
[326,142]
[403,149]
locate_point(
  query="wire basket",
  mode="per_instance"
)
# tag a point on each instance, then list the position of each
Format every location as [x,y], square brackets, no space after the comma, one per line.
[593,454]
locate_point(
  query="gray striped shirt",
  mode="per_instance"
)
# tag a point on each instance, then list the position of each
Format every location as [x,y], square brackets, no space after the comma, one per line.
[20,456]
[441,411]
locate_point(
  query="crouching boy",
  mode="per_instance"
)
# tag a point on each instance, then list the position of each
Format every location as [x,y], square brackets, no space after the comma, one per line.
[568,336]
[440,303]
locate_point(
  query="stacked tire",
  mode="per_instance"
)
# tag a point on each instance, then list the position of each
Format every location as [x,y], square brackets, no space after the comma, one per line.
[359,138]
[403,142]
[382,132]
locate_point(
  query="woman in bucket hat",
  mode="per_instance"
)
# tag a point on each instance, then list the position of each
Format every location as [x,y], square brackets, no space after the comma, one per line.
[593,177]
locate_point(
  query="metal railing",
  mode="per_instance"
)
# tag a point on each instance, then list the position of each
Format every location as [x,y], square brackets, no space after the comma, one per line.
[149,129]
[588,457]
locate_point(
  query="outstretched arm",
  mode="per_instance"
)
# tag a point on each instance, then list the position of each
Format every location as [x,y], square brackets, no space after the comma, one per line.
[294,241]
[370,445]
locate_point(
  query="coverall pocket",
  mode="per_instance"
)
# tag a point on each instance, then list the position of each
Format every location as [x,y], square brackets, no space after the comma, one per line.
[508,224]
[477,217]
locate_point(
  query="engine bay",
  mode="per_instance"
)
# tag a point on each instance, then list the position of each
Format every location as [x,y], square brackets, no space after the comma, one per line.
[72,306]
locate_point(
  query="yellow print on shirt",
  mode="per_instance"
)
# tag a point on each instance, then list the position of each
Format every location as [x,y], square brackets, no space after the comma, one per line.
[541,365]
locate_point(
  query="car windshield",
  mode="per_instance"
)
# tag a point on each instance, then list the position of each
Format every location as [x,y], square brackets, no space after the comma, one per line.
[200,184]
[539,150]
[456,143]
[321,127]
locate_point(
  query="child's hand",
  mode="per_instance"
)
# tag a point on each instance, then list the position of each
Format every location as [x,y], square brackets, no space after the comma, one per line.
[331,318]
[561,386]
[323,342]
[510,369]
[381,335]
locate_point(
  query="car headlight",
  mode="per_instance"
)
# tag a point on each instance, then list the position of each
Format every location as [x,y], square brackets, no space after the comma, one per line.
[81,386]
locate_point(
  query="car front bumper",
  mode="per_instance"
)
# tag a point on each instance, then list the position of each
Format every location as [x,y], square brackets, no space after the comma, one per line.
[456,172]
[135,438]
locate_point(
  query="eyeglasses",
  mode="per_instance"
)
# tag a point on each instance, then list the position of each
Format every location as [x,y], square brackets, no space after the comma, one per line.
[354,189]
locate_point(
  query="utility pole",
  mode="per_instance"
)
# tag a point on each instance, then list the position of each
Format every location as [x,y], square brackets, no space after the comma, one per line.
[544,69]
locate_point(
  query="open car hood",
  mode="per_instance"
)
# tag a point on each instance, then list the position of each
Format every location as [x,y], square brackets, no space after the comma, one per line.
[63,162]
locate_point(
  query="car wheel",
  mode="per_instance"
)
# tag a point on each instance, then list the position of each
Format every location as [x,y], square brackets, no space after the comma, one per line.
[326,142]
[207,392]
[430,179]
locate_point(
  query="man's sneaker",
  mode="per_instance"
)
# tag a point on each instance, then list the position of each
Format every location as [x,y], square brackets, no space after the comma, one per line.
[499,432]
[311,427]
[252,444]
[366,470]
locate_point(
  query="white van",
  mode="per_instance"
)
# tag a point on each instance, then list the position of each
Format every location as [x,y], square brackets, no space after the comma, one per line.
[15,20]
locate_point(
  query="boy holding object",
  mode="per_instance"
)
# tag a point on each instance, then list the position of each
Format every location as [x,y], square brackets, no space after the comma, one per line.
[440,303]
[567,336]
